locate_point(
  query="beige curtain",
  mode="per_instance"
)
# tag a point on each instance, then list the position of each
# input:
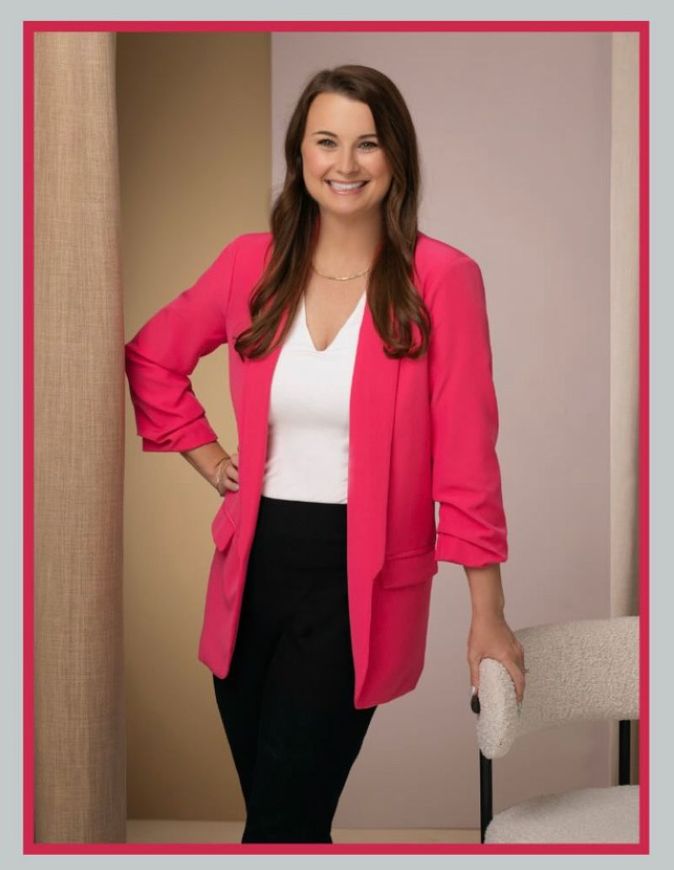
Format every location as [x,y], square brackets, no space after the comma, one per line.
[624,305]
[80,766]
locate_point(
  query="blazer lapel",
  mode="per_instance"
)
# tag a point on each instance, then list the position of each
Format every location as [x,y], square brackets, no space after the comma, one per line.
[257,378]
[372,407]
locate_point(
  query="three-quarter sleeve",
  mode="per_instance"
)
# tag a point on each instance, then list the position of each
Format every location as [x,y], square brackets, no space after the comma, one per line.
[466,477]
[164,352]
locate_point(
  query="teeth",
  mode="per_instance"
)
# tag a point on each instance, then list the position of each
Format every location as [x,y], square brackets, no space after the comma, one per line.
[339,186]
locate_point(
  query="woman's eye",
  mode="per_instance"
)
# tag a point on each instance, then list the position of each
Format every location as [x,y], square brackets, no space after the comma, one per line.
[331,142]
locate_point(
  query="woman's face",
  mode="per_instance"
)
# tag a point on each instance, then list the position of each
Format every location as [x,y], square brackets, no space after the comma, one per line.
[340,145]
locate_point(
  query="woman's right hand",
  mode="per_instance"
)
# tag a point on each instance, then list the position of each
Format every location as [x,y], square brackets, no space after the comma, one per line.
[227,474]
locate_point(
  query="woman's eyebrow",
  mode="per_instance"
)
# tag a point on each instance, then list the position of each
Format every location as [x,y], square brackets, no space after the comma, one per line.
[328,133]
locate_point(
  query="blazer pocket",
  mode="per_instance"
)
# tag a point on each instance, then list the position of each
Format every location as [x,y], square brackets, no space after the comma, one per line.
[225,521]
[408,568]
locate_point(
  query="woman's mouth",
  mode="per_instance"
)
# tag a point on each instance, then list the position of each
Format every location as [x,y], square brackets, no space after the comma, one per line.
[346,189]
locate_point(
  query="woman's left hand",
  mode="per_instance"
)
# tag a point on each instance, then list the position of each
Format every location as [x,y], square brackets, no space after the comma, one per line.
[491,637]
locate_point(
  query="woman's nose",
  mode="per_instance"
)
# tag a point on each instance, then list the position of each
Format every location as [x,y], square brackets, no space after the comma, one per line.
[347,165]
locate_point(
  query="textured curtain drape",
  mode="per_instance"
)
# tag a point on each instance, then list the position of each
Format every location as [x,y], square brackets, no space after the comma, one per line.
[624,305]
[80,765]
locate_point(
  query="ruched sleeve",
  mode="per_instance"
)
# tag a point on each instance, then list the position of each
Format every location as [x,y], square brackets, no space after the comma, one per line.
[466,476]
[164,352]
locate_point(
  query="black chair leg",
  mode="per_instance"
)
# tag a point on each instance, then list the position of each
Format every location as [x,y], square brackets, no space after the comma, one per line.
[624,752]
[485,794]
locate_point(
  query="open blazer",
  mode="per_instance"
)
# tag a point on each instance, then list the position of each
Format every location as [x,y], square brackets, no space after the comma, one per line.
[421,431]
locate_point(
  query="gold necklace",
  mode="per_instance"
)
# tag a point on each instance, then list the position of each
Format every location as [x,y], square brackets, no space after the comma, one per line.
[335,278]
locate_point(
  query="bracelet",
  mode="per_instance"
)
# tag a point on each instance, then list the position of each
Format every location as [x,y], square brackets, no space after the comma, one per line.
[218,473]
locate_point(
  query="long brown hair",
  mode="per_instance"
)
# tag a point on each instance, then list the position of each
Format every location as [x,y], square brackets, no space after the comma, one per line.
[395,304]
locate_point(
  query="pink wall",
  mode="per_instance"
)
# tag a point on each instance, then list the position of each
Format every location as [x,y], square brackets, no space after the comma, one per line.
[514,131]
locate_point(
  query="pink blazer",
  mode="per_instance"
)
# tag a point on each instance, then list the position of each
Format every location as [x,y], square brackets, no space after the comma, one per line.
[421,431]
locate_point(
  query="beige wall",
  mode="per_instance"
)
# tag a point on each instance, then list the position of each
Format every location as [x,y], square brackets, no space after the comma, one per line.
[625,588]
[515,133]
[194,153]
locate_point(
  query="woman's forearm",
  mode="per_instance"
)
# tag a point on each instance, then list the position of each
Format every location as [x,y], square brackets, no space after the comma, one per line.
[205,459]
[486,591]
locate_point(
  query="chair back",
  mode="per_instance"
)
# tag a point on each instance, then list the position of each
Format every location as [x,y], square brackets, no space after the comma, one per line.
[586,669]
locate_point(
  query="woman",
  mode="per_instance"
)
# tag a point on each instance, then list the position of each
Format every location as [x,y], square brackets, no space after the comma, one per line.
[360,374]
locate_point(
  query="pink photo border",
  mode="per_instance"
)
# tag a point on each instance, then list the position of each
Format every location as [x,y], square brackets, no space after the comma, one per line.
[30,847]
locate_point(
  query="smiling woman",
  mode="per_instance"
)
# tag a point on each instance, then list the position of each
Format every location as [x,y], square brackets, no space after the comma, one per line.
[360,371]
[350,126]
[349,163]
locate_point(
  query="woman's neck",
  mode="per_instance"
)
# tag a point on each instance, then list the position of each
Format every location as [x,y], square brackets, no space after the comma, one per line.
[346,245]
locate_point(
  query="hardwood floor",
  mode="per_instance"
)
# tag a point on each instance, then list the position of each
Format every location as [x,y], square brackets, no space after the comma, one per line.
[156,831]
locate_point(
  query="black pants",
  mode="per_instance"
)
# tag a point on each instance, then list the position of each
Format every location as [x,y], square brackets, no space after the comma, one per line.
[287,702]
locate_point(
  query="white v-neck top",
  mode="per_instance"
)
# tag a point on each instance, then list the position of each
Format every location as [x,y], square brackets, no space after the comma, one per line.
[308,444]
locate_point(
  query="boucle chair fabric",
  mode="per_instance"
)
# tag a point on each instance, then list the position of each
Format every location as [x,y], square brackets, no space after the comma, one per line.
[587,669]
[584,815]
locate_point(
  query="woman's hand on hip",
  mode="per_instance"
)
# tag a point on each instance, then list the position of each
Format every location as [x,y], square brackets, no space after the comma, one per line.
[227,473]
